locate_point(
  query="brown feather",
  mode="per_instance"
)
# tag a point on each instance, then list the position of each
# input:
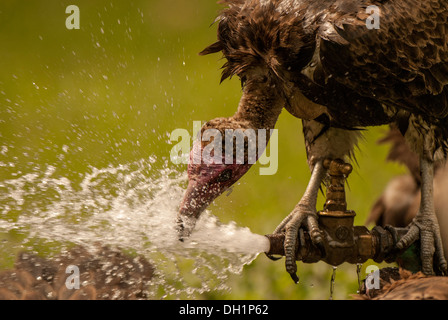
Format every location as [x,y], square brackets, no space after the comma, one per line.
[107,274]
[403,285]
[214,48]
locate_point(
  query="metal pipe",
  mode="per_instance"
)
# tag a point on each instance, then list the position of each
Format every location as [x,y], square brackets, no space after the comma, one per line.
[377,244]
[343,242]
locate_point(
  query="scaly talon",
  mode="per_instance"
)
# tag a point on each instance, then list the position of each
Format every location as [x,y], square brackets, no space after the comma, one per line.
[425,226]
[304,215]
[300,218]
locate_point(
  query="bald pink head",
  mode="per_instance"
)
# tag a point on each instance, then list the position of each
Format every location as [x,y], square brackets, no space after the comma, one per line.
[208,179]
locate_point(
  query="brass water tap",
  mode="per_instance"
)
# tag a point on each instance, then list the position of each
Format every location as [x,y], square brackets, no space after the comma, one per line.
[342,241]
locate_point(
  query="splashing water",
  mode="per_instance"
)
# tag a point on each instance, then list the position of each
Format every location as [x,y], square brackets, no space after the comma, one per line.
[133,208]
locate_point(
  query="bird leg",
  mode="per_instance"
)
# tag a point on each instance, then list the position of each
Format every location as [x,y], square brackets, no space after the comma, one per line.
[304,214]
[425,225]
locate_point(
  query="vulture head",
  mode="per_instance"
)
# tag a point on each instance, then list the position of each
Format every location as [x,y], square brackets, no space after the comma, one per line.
[212,170]
[206,183]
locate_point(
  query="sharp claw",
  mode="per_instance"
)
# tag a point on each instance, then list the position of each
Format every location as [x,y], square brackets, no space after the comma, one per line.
[318,240]
[272,257]
[411,236]
[291,249]
[294,278]
[321,248]
[442,270]
[291,268]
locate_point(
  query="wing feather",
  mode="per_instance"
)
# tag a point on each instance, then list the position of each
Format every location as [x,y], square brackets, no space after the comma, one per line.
[405,61]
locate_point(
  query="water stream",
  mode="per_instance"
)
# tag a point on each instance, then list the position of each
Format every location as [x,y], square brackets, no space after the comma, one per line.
[358,273]
[333,282]
[129,207]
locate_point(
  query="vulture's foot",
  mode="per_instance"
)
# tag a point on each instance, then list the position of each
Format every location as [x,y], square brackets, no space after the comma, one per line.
[425,225]
[303,216]
[426,228]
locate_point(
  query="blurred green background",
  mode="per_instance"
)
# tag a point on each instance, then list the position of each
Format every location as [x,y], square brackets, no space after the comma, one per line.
[111,92]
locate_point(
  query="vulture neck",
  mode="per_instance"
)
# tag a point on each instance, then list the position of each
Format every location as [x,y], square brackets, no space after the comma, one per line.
[259,108]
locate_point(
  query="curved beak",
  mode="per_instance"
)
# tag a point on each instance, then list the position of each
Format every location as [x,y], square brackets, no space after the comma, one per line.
[196,199]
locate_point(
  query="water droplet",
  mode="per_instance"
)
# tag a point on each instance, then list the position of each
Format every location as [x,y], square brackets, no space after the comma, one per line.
[358,273]
[4,150]
[332,282]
